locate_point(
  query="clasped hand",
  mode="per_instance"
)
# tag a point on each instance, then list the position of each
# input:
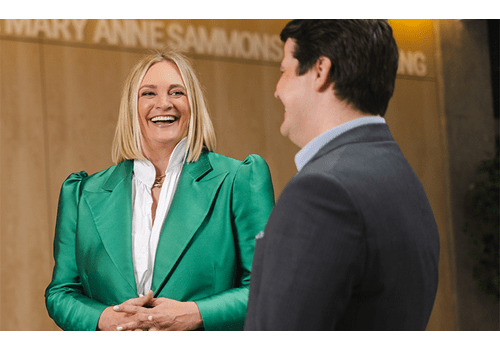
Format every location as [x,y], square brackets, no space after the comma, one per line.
[153,314]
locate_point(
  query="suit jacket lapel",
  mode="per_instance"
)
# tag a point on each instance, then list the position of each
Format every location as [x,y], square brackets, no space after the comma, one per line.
[112,212]
[193,198]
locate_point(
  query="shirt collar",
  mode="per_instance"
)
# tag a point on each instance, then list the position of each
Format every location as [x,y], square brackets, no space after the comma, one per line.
[309,150]
[145,170]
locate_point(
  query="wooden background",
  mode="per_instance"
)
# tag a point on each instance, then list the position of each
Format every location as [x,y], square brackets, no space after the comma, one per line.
[58,109]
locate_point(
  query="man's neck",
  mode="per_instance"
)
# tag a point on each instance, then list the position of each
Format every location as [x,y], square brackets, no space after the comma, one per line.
[328,115]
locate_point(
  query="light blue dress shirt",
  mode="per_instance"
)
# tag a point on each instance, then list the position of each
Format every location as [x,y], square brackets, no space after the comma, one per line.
[309,150]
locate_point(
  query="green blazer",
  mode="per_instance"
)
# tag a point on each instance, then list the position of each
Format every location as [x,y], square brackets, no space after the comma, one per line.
[204,253]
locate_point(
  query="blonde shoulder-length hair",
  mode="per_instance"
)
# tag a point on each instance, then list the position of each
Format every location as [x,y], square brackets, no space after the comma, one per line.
[128,136]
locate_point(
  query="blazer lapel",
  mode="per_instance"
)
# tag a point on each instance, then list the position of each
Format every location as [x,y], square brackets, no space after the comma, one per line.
[112,212]
[193,198]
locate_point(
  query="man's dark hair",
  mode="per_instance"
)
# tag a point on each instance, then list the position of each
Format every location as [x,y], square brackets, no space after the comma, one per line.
[363,53]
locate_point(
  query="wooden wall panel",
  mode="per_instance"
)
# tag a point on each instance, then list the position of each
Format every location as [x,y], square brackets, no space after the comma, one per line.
[25,238]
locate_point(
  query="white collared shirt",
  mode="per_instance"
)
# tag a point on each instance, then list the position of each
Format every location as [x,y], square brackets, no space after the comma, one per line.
[145,235]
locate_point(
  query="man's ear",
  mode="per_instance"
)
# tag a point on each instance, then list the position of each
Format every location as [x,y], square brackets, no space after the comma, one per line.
[322,73]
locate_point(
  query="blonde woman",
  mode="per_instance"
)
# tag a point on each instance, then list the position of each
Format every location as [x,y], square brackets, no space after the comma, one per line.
[164,239]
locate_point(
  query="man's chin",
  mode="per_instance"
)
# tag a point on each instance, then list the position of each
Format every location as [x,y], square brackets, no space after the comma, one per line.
[284,130]
[286,133]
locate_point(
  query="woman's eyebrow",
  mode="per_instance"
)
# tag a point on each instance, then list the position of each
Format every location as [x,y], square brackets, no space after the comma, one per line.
[172,86]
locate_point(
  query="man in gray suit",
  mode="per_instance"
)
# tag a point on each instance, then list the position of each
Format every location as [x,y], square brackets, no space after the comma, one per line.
[352,243]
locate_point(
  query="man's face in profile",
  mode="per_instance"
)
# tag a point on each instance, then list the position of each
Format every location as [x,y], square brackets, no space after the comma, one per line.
[293,91]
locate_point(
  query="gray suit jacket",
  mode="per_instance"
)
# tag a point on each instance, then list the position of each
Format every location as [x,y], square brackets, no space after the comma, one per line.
[351,244]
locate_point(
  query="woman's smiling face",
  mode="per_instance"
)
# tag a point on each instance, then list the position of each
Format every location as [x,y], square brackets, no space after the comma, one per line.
[163,106]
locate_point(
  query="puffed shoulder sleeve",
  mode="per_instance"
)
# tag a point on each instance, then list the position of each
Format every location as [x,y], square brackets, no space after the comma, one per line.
[252,202]
[64,298]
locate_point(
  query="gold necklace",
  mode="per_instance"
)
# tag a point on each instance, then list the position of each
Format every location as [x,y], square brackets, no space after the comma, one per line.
[157,179]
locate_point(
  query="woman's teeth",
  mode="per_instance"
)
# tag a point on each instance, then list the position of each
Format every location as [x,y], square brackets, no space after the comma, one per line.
[164,118]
